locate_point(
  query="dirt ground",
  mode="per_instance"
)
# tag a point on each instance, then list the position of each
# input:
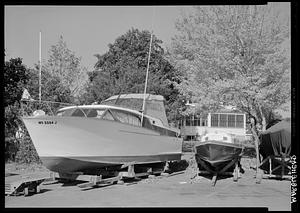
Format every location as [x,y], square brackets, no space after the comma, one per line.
[173,191]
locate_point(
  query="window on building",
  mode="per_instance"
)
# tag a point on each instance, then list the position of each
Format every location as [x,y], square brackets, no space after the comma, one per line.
[214,120]
[231,120]
[223,120]
[227,120]
[188,122]
[240,121]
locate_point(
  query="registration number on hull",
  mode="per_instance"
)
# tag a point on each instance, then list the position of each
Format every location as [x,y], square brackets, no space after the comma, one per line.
[47,122]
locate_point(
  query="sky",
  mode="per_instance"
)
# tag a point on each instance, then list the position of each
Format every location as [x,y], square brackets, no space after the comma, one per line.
[87,30]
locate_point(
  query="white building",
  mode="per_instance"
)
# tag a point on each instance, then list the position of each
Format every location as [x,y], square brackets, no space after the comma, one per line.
[224,121]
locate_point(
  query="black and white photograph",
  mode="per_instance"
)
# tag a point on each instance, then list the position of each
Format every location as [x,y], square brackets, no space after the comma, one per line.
[149,106]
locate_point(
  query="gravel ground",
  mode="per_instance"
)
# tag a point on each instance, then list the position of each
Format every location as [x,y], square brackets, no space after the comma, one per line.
[181,190]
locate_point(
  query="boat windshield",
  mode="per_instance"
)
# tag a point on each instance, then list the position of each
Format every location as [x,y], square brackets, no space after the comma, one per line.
[107,114]
[125,117]
[79,112]
[217,137]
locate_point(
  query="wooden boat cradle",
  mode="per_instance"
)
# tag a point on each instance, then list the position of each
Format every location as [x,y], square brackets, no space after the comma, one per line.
[23,184]
[282,161]
[223,171]
[104,179]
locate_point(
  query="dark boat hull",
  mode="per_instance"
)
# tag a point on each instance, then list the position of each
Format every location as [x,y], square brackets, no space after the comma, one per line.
[216,155]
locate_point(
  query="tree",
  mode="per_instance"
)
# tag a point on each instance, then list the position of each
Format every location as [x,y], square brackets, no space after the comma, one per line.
[64,65]
[15,77]
[234,55]
[123,69]
[53,87]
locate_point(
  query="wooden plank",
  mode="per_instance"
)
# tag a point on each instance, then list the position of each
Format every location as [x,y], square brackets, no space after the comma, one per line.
[267,176]
[205,166]
[228,166]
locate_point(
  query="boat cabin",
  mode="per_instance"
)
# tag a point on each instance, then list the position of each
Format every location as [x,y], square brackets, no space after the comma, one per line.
[118,114]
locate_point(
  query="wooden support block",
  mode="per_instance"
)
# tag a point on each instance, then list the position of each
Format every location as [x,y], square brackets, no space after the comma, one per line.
[164,174]
[151,176]
[204,172]
[26,191]
[235,172]
[270,166]
[166,167]
[120,182]
[214,180]
[37,189]
[259,176]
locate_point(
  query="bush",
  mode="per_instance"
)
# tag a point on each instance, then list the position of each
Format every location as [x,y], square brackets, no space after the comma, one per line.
[27,152]
[11,148]
[11,120]
[19,150]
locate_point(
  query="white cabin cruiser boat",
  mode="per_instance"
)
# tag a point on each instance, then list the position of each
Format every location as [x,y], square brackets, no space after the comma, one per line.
[91,137]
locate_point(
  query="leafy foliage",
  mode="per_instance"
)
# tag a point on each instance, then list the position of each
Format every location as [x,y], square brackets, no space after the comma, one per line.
[15,77]
[234,55]
[62,81]
[65,67]
[53,88]
[123,70]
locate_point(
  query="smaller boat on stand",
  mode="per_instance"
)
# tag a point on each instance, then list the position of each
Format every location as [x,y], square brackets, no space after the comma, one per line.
[218,154]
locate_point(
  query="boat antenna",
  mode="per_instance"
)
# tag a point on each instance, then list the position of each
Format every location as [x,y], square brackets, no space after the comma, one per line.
[147,72]
[116,101]
[40,67]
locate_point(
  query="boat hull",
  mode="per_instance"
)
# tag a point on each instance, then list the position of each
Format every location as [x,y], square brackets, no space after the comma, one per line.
[71,144]
[216,155]
[81,164]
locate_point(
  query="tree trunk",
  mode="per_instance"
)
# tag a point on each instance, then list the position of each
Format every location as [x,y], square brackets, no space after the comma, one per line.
[256,142]
[264,123]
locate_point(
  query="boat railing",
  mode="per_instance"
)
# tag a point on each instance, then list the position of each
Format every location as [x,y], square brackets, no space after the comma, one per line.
[28,107]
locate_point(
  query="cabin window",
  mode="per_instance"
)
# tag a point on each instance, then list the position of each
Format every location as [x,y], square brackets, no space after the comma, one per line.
[67,112]
[107,116]
[78,113]
[128,118]
[92,113]
[225,138]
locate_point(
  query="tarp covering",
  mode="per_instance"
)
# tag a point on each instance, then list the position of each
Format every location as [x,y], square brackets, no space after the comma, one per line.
[276,141]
